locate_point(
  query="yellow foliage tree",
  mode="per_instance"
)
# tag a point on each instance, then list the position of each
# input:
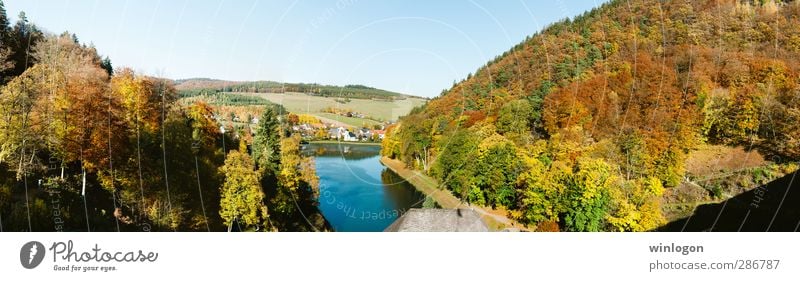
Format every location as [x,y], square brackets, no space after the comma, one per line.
[636,205]
[242,199]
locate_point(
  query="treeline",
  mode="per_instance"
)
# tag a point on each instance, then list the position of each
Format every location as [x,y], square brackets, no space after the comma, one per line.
[584,125]
[86,147]
[348,91]
[219,98]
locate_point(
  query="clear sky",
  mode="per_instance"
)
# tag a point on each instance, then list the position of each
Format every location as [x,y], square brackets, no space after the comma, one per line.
[416,47]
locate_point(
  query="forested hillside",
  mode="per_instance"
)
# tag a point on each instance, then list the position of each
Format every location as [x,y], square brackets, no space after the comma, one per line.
[84,146]
[586,124]
[198,86]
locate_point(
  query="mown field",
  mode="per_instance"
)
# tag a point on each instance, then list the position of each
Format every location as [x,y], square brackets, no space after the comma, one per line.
[351,121]
[375,109]
[246,105]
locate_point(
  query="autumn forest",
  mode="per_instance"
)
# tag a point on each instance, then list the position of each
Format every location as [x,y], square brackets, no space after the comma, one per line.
[589,124]
[624,118]
[86,147]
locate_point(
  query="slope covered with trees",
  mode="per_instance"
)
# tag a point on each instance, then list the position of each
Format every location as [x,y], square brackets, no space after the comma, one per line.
[587,123]
[84,146]
[203,86]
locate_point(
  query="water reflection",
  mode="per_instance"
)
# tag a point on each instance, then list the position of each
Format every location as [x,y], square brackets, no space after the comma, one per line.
[357,193]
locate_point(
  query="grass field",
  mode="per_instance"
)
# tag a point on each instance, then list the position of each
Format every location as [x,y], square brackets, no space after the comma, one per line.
[300,103]
[352,121]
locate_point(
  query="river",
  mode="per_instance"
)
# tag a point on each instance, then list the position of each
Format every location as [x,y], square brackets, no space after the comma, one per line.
[358,193]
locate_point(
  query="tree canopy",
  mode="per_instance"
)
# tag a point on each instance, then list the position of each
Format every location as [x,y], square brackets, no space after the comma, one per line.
[120,145]
[585,123]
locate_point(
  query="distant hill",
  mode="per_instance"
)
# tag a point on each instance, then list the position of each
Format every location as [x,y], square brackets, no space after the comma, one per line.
[195,86]
[202,83]
[588,122]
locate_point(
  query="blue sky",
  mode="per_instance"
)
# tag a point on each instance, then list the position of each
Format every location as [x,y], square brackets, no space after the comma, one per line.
[417,47]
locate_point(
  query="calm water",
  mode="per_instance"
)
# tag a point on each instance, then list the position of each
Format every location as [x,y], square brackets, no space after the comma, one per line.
[357,193]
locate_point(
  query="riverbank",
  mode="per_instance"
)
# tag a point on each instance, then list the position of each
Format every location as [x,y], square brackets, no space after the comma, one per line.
[431,187]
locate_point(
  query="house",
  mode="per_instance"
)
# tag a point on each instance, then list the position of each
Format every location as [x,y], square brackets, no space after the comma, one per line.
[379,133]
[301,128]
[364,133]
[254,120]
[342,134]
[350,136]
[333,133]
[341,130]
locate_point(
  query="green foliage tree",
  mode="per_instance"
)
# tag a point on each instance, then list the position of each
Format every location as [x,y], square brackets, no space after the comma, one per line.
[4,23]
[515,119]
[25,37]
[497,171]
[416,140]
[6,42]
[267,142]
[536,100]
[294,197]
[587,195]
[455,166]
[106,65]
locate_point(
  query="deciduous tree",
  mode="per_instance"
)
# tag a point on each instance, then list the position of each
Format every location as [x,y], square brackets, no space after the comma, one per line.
[242,199]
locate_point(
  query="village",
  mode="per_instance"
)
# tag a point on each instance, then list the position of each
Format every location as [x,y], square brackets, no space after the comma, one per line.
[313,128]
[350,135]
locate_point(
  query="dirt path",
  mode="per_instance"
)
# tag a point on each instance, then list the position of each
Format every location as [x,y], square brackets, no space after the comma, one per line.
[445,198]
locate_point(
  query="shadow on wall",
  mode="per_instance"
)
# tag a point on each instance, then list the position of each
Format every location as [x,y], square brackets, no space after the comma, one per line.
[771,207]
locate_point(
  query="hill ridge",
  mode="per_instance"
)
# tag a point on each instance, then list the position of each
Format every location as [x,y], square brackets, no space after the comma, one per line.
[619,94]
[267,86]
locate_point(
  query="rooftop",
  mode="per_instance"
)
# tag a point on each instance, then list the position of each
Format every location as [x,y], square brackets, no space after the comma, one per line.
[439,220]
